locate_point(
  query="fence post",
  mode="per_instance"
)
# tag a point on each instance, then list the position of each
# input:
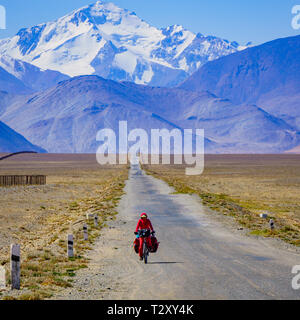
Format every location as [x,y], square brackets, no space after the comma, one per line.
[2,278]
[96,221]
[85,232]
[70,246]
[15,266]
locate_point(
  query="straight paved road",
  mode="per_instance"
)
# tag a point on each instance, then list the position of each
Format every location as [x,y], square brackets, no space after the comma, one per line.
[198,258]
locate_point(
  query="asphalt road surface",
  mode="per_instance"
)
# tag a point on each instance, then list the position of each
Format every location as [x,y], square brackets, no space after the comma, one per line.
[199,257]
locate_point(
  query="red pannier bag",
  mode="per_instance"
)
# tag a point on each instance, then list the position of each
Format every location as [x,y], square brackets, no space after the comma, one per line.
[154,246]
[136,245]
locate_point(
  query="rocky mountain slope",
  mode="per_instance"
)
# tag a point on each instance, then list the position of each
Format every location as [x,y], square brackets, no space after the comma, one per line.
[114,43]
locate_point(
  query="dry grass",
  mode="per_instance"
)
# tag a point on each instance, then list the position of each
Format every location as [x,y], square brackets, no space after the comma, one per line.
[41,217]
[244,186]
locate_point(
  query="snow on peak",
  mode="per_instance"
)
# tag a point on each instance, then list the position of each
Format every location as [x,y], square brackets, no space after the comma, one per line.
[115,43]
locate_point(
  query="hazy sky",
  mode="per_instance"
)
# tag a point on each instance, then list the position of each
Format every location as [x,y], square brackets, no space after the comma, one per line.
[240,20]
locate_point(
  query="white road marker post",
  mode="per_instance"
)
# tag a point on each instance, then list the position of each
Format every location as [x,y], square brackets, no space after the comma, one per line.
[2,278]
[96,221]
[85,232]
[15,266]
[264,215]
[70,246]
[89,216]
[272,224]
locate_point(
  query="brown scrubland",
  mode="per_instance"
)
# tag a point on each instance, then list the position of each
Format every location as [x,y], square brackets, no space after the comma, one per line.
[39,218]
[245,186]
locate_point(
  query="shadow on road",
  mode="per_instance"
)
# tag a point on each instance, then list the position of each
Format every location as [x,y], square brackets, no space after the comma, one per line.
[164,262]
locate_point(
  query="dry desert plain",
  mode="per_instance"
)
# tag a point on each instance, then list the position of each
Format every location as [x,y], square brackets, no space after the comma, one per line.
[238,187]
[243,187]
[41,217]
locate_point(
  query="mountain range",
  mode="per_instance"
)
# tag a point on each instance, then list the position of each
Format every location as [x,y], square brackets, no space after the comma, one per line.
[34,78]
[114,43]
[62,81]
[267,75]
[67,117]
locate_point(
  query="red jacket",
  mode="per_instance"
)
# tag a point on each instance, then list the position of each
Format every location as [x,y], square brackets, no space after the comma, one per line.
[144,224]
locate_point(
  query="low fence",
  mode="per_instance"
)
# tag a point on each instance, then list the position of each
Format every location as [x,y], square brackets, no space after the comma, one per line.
[22,180]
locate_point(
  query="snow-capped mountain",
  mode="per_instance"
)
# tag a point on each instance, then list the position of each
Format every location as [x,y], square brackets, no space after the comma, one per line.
[32,76]
[247,102]
[114,43]
[67,117]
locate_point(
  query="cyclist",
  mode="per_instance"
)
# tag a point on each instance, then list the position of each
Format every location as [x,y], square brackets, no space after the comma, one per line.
[143,223]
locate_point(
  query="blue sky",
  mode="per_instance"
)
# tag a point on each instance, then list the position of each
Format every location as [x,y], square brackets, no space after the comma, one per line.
[240,20]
